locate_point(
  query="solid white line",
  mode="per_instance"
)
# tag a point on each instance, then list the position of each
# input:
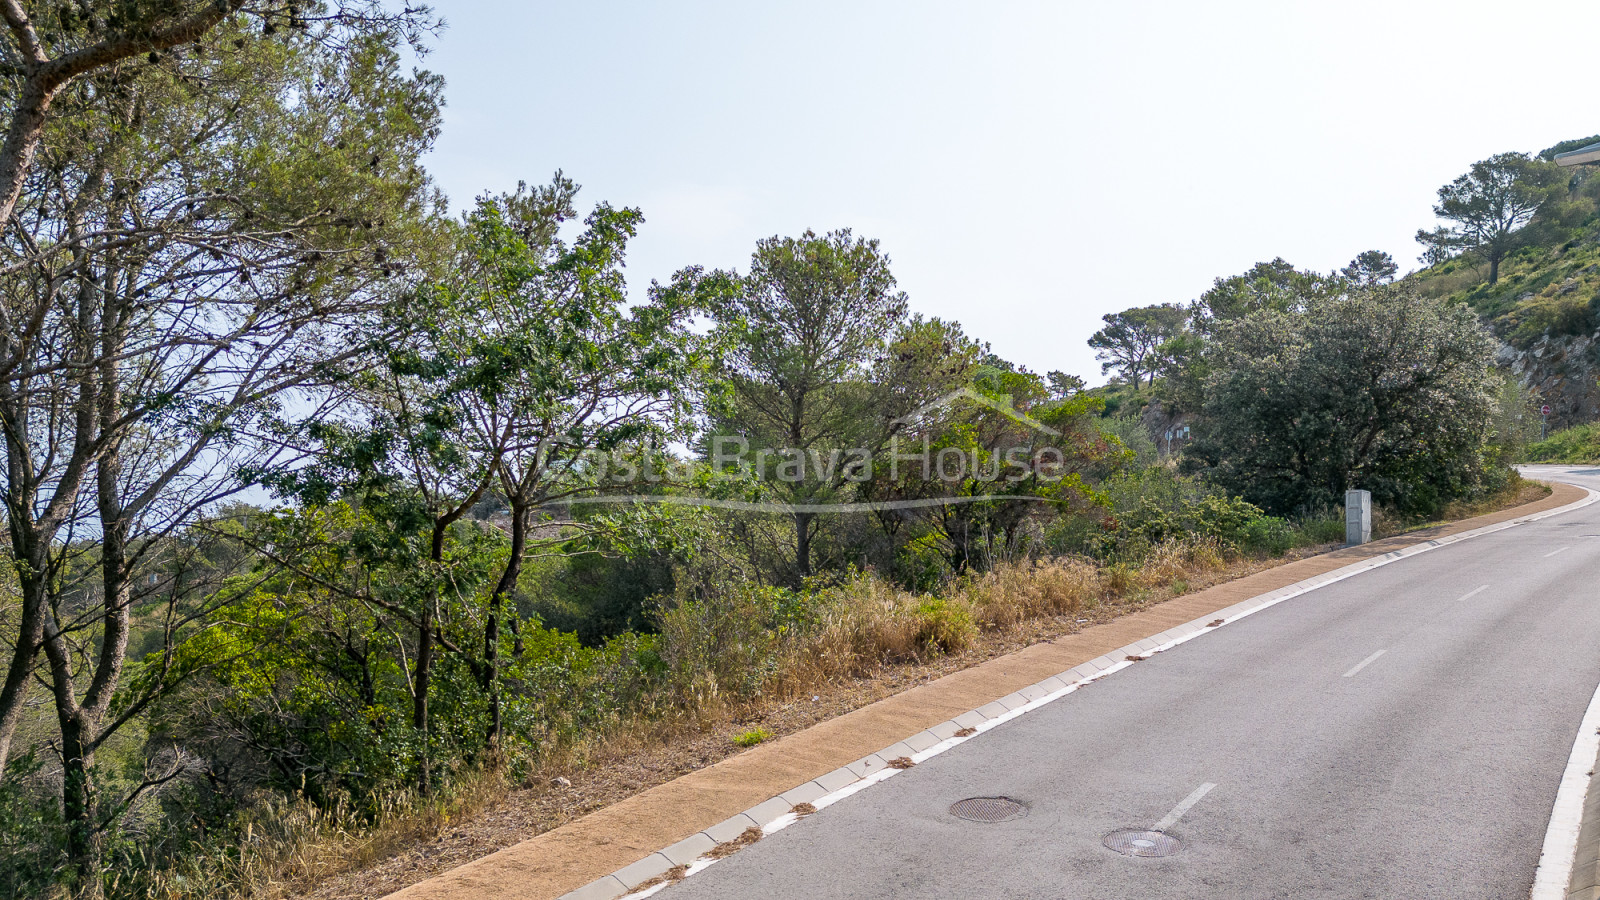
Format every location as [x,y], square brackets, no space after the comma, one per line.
[1554,552]
[1472,593]
[1561,839]
[1366,662]
[1183,807]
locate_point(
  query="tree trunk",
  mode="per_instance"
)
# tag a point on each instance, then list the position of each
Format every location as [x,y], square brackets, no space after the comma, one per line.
[30,632]
[79,804]
[802,543]
[490,675]
[419,698]
[423,670]
[22,141]
[1494,268]
[81,722]
[46,77]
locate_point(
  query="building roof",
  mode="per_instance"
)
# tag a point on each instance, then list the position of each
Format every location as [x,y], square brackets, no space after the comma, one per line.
[1589,154]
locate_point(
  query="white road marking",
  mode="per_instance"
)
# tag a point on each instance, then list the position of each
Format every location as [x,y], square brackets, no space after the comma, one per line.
[1183,807]
[1554,552]
[1561,839]
[1472,593]
[1368,661]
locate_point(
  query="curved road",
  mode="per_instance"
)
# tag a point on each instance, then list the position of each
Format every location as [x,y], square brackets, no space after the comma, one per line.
[1398,734]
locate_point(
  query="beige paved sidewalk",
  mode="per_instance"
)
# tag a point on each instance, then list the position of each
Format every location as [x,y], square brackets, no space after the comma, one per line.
[563,859]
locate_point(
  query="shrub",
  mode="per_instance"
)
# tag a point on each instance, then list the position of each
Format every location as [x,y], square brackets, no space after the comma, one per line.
[1268,534]
[730,643]
[944,626]
[1321,527]
[1008,594]
[752,737]
[1153,510]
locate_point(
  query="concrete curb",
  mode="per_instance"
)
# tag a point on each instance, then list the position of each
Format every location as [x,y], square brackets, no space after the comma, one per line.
[776,813]
[1584,883]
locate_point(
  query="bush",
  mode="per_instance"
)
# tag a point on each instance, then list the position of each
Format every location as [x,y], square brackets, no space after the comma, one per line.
[1320,527]
[1268,534]
[1408,420]
[1161,509]
[1009,594]
[752,737]
[730,643]
[944,626]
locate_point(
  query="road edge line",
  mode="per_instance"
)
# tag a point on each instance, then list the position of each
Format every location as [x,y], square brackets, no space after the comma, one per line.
[1559,854]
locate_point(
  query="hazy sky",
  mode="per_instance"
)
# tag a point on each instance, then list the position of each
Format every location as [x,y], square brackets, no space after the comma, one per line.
[1028,166]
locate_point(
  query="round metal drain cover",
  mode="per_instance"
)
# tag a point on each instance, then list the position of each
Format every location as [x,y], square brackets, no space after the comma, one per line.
[988,809]
[1133,842]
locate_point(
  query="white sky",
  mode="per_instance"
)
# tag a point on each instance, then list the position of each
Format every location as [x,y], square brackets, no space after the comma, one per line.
[1028,166]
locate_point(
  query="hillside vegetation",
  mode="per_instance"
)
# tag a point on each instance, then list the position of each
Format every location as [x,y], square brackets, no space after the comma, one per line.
[1579,444]
[503,510]
[1549,284]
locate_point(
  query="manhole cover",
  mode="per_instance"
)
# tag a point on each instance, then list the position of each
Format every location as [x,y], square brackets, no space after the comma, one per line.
[988,809]
[1133,842]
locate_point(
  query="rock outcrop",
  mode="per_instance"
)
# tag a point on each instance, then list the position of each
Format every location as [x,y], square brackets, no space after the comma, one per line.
[1564,371]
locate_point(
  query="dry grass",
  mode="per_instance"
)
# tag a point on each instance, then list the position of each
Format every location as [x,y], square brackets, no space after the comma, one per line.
[670,876]
[288,841]
[750,836]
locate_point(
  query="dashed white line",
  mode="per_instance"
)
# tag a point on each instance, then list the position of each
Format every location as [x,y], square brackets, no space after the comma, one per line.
[1183,806]
[1472,593]
[1554,552]
[1365,662]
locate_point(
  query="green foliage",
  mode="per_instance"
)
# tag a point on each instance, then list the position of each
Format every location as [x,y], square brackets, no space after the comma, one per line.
[818,356]
[1152,507]
[1155,519]
[1134,438]
[33,861]
[944,626]
[1550,281]
[1549,153]
[986,501]
[1274,286]
[729,644]
[1131,340]
[1267,534]
[752,737]
[1579,444]
[1120,400]
[1383,390]
[1371,267]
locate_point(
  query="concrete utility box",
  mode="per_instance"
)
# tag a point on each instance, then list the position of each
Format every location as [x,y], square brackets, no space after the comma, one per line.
[1357,517]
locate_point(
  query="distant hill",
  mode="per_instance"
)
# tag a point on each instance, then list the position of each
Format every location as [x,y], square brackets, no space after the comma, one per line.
[1546,307]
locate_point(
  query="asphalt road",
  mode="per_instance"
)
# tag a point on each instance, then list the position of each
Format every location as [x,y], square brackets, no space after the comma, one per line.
[1399,734]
